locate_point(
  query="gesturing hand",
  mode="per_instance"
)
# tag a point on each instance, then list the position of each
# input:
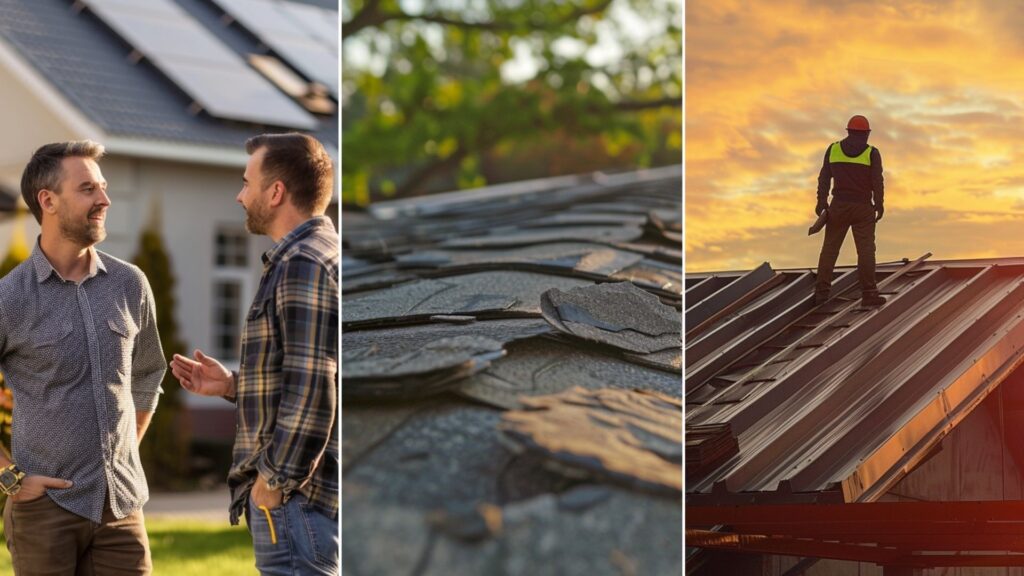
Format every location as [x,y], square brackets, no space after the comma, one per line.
[33,487]
[204,375]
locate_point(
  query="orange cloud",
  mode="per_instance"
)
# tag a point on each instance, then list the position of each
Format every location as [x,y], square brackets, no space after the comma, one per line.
[770,84]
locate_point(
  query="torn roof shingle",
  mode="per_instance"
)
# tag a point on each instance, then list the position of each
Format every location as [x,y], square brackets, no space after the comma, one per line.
[618,315]
[630,436]
[546,366]
[837,402]
[479,265]
[475,293]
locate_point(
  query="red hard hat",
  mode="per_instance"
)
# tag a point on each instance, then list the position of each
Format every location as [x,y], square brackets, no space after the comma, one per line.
[858,122]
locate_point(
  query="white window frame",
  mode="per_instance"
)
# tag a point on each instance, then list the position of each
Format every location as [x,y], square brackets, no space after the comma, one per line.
[242,275]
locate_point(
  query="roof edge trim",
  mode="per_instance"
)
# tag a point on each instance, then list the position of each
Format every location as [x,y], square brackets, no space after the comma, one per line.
[233,157]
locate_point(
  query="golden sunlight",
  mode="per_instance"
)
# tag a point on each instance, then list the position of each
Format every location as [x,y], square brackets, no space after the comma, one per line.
[769,85]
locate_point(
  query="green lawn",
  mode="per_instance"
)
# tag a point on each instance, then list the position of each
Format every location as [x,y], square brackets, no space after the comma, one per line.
[190,548]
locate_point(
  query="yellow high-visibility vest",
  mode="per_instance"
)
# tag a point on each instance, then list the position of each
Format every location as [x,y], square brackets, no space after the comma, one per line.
[836,154]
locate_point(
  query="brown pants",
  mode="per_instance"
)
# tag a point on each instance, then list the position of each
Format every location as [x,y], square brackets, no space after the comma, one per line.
[46,540]
[841,217]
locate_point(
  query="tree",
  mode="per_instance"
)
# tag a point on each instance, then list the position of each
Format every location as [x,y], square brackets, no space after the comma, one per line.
[433,94]
[17,253]
[164,451]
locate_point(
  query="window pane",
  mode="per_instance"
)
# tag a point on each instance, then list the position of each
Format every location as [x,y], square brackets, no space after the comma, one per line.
[226,318]
[231,248]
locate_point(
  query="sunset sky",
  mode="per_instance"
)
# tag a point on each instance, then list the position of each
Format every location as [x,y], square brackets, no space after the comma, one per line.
[770,84]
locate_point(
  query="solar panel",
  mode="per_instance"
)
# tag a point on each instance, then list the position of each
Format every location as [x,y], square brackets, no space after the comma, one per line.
[321,22]
[305,36]
[211,74]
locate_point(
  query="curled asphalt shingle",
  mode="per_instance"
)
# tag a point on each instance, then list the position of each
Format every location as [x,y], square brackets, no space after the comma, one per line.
[631,437]
[622,316]
[543,366]
[470,294]
[422,372]
[419,361]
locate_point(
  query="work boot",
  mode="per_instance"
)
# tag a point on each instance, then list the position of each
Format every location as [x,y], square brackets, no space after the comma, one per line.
[820,298]
[871,300]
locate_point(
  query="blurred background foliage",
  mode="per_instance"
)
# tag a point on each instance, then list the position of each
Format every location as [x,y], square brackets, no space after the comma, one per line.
[462,93]
[16,254]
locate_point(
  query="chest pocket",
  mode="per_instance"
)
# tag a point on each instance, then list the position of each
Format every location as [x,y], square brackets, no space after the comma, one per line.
[259,337]
[259,310]
[122,336]
[51,347]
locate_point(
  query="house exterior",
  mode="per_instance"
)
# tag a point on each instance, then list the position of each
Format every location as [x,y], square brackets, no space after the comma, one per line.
[174,123]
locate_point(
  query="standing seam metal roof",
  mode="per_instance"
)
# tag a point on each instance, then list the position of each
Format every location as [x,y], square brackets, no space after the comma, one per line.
[837,402]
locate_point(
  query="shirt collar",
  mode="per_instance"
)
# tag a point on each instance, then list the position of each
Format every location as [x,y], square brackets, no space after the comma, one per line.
[44,268]
[297,233]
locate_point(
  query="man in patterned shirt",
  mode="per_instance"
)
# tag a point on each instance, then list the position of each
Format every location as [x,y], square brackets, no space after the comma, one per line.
[80,352]
[284,477]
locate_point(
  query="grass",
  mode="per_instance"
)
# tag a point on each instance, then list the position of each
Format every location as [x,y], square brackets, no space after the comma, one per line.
[189,548]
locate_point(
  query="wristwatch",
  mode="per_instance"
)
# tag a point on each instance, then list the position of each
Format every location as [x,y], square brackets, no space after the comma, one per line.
[10,480]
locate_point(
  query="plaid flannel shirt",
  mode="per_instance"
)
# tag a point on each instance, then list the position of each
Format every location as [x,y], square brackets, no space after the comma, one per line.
[287,389]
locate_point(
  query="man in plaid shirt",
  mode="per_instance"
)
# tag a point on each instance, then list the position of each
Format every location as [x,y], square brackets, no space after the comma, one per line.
[284,477]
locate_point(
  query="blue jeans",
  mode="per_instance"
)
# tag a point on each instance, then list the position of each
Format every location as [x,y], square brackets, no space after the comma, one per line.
[298,540]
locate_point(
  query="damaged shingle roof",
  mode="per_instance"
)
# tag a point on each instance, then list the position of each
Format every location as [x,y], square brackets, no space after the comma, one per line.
[483,333]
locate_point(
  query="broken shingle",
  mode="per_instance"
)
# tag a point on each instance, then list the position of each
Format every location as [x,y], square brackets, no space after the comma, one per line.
[469,294]
[542,366]
[392,341]
[417,361]
[622,316]
[444,456]
[428,370]
[631,437]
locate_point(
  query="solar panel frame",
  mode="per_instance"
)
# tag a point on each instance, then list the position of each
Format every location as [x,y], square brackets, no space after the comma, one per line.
[199,63]
[324,24]
[287,28]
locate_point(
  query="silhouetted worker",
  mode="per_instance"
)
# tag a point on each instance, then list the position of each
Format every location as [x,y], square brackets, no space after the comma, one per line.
[857,202]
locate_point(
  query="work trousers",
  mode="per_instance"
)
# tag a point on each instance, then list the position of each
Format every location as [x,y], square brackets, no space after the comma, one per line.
[45,539]
[843,216]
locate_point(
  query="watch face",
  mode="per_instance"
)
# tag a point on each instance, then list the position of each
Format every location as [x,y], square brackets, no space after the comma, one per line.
[8,479]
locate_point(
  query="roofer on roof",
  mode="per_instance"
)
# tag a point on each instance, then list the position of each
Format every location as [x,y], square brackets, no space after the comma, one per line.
[857,202]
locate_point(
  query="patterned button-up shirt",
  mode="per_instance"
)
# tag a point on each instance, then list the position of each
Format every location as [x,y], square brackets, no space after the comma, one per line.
[287,385]
[81,359]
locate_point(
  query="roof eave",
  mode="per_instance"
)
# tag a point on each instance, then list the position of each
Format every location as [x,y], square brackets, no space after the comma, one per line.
[63,109]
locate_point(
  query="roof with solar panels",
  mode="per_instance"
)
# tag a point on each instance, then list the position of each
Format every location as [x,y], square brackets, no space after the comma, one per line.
[205,72]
